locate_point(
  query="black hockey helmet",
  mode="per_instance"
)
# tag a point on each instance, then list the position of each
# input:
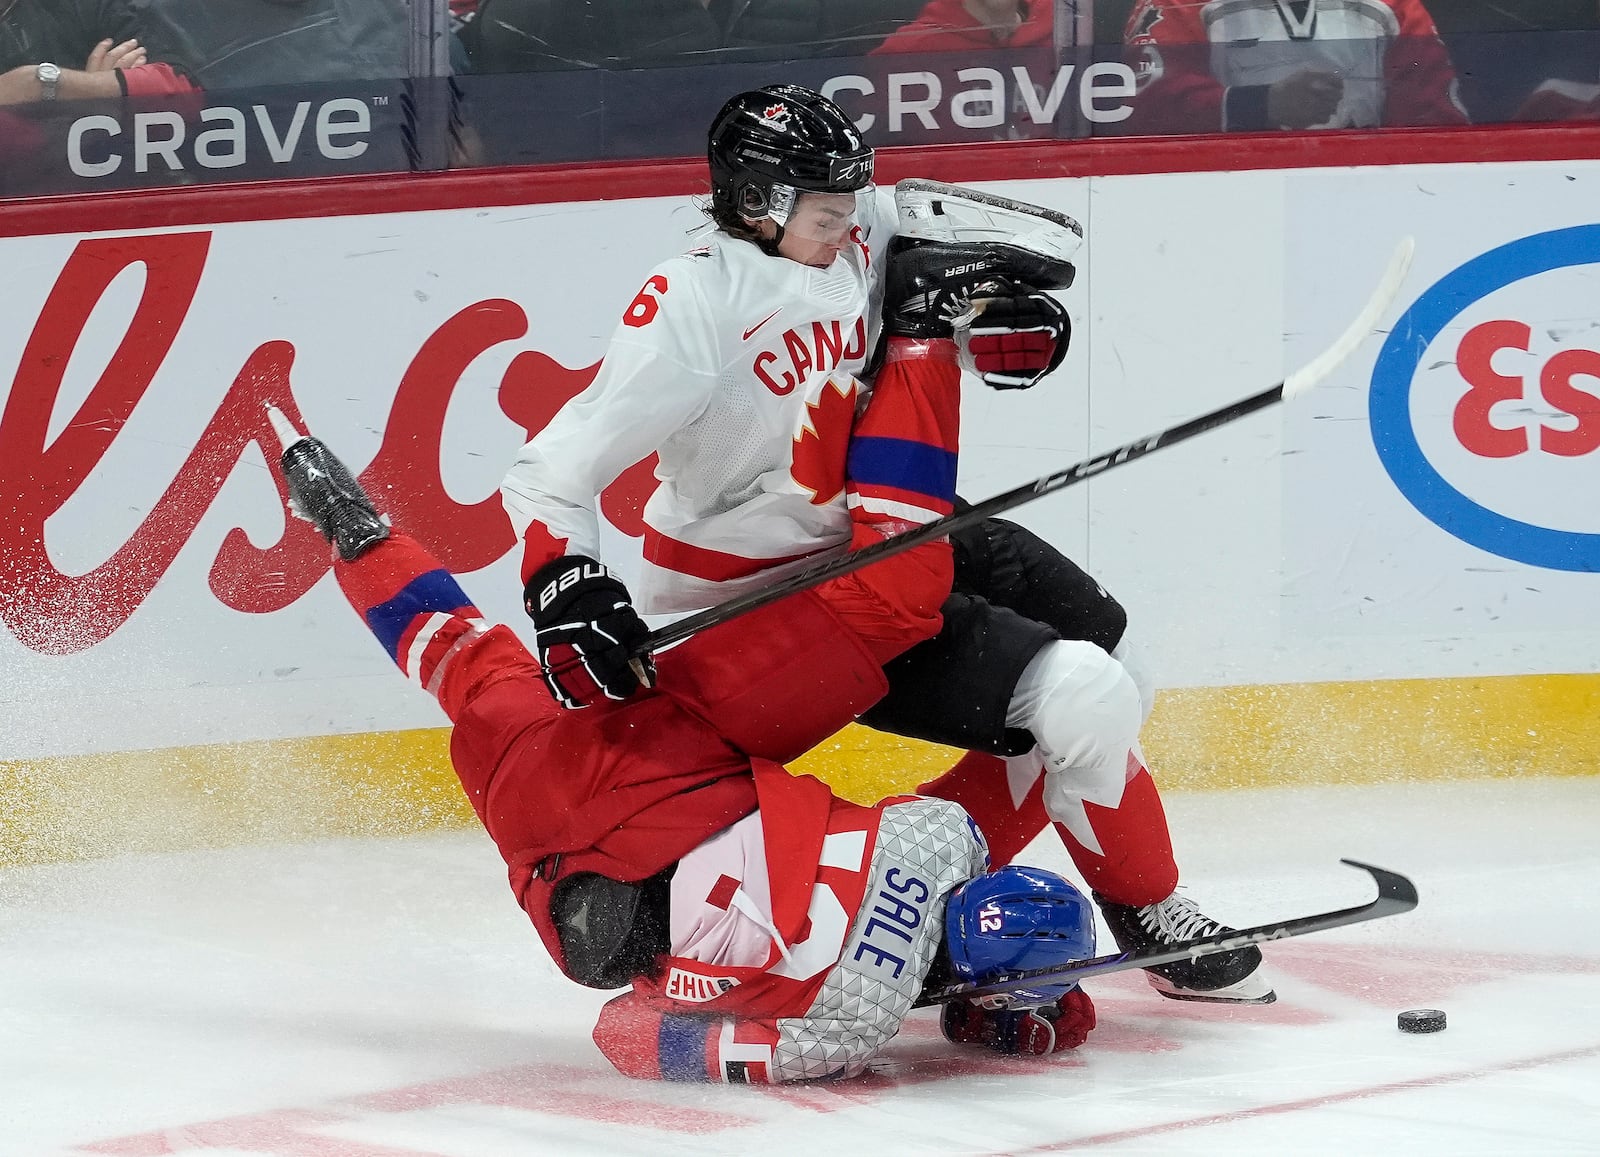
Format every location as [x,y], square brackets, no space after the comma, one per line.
[784,137]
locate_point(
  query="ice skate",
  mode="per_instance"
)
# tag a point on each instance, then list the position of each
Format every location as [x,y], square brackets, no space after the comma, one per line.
[931,211]
[324,492]
[1220,977]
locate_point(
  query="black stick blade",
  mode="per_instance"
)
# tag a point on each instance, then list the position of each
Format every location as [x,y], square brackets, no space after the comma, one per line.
[1395,891]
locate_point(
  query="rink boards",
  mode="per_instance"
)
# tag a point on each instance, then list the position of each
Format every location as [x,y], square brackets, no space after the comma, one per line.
[1391,577]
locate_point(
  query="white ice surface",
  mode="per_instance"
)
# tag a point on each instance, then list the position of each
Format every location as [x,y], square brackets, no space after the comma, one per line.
[387,998]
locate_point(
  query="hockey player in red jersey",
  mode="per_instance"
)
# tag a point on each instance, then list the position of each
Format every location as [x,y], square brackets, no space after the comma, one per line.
[1254,65]
[770,930]
[739,364]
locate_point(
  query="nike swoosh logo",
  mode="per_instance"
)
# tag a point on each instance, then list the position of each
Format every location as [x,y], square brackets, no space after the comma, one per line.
[759,324]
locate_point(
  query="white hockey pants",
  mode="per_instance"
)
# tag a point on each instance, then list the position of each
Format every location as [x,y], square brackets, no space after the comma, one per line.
[1084,708]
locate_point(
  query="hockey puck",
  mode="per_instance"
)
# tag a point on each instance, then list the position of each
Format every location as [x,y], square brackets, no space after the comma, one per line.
[1422,1020]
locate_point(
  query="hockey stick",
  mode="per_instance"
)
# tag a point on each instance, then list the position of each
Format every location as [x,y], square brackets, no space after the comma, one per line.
[1396,894]
[1295,384]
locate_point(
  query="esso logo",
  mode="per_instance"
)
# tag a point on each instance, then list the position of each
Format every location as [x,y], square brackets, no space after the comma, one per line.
[1485,401]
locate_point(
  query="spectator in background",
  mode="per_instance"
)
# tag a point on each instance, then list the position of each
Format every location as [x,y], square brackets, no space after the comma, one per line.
[1109,18]
[808,28]
[225,44]
[538,35]
[1525,60]
[55,51]
[77,50]
[1561,100]
[974,25]
[1572,92]
[1458,16]
[1254,65]
[462,14]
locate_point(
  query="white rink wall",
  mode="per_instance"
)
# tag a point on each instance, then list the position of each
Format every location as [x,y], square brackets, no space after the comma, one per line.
[1282,549]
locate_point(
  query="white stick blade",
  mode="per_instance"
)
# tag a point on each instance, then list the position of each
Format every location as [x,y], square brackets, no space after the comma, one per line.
[1366,321]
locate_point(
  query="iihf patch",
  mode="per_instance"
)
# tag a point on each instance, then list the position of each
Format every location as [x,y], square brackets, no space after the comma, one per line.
[693,988]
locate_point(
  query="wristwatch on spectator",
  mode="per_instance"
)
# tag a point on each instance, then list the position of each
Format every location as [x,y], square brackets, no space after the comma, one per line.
[49,78]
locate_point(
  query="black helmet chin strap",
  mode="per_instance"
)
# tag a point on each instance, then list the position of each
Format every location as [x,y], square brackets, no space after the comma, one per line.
[761,201]
[767,245]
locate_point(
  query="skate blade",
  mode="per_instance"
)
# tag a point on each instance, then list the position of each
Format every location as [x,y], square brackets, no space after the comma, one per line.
[283,428]
[1251,990]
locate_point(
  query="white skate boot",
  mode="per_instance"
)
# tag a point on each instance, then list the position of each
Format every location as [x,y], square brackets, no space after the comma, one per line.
[930,211]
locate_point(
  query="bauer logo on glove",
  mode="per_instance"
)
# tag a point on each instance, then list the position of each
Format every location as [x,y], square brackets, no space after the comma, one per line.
[585,631]
[568,577]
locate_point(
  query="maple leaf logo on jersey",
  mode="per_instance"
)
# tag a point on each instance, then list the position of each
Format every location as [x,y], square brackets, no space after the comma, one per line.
[1144,21]
[775,116]
[824,439]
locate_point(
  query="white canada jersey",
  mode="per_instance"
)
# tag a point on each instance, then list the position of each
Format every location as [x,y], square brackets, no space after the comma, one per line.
[740,371]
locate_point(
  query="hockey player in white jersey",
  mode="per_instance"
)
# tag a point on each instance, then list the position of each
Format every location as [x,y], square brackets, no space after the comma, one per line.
[745,366]
[765,929]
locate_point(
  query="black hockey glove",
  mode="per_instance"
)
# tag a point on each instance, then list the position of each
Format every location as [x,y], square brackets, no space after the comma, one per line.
[584,625]
[1016,339]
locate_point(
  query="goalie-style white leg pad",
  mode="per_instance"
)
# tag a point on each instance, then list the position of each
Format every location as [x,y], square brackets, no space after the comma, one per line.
[932,211]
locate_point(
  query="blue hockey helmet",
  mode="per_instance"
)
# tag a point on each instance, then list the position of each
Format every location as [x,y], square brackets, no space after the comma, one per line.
[1013,920]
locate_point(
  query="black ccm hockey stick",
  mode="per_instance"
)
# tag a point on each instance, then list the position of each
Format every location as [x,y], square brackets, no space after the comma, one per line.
[1396,894]
[1295,384]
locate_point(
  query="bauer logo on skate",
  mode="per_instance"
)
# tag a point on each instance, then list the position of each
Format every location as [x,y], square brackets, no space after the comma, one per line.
[46,456]
[1485,401]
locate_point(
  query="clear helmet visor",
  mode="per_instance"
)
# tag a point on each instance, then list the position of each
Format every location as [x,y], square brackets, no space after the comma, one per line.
[826,218]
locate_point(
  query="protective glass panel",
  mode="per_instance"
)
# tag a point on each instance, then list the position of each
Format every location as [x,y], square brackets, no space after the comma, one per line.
[126,94]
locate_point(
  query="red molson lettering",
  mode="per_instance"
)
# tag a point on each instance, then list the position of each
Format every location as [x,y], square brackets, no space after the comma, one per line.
[57,613]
